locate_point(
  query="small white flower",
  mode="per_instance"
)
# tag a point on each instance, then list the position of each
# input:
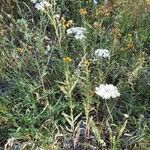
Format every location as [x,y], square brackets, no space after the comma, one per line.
[126,116]
[45,4]
[33,1]
[57,16]
[78,31]
[42,5]
[77,72]
[107,91]
[38,6]
[99,53]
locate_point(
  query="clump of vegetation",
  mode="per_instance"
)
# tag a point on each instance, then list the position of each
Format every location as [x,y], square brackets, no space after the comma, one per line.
[74,74]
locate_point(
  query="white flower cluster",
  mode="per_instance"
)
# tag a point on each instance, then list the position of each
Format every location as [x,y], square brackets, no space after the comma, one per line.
[99,53]
[33,1]
[77,31]
[107,91]
[95,2]
[41,5]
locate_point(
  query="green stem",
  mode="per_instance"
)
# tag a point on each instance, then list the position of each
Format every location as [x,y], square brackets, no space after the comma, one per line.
[108,110]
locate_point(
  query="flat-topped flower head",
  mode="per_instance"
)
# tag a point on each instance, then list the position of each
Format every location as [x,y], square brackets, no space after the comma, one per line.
[99,53]
[42,5]
[33,1]
[77,31]
[107,91]
[83,11]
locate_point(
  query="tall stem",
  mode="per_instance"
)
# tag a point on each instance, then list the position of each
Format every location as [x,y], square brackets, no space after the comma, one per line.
[108,110]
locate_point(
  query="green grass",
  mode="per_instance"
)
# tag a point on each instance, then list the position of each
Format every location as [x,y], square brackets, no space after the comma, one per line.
[48,78]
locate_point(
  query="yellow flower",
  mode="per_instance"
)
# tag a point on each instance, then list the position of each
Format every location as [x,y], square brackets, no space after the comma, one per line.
[130,46]
[65,24]
[96,25]
[142,57]
[84,63]
[116,31]
[67,59]
[69,23]
[123,49]
[20,49]
[83,11]
[62,19]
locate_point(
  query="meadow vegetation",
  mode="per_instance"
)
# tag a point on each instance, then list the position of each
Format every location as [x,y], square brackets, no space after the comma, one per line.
[59,59]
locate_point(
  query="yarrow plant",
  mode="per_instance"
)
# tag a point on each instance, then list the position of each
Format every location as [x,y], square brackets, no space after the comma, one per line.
[77,31]
[99,53]
[33,1]
[42,5]
[107,91]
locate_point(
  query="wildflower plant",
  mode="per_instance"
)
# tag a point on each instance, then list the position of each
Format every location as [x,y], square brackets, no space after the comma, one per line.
[77,31]
[107,91]
[42,5]
[102,53]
